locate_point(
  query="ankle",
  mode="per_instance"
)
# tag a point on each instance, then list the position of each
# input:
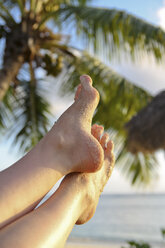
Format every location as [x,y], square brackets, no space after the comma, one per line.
[49,156]
[86,192]
[84,186]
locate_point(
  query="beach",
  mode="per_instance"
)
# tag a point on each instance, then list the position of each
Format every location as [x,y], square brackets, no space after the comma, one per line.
[122,218]
[102,245]
[91,245]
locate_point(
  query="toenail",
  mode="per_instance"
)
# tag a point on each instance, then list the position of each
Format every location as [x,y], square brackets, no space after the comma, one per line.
[86,78]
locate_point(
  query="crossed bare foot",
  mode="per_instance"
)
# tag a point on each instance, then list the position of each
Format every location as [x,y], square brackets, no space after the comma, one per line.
[70,143]
[90,185]
[96,181]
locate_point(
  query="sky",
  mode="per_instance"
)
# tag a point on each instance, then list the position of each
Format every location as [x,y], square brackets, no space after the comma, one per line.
[145,73]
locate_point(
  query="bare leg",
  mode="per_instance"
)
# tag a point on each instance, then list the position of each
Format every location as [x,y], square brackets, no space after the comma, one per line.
[75,201]
[68,147]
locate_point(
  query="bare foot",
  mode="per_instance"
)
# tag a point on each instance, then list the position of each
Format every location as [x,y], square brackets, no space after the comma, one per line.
[69,144]
[93,183]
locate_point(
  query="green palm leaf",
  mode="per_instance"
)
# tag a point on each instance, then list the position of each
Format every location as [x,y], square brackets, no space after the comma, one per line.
[39,6]
[140,169]
[6,109]
[21,5]
[5,14]
[110,29]
[79,2]
[28,125]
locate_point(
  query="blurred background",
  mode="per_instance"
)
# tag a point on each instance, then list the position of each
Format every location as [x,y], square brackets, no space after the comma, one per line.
[45,47]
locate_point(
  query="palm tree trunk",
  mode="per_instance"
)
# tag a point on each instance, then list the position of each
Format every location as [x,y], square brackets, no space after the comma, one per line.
[10,69]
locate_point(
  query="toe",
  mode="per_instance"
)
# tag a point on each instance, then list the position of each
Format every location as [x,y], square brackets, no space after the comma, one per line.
[88,98]
[104,140]
[86,81]
[109,149]
[111,159]
[88,91]
[97,131]
[93,129]
[110,146]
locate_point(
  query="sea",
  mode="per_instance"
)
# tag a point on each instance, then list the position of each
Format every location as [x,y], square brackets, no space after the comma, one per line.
[122,218]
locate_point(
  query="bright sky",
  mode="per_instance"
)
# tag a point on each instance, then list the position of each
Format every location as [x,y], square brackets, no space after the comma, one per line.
[145,73]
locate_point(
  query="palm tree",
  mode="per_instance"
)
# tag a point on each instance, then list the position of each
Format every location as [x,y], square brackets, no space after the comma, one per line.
[31,42]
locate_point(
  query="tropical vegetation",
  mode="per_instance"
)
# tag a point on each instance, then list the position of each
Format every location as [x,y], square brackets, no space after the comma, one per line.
[136,244]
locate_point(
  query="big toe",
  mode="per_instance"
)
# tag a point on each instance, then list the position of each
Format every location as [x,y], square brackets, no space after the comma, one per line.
[87,98]
[88,93]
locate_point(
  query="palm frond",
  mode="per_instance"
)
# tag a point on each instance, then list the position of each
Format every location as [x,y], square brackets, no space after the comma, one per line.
[25,131]
[9,3]
[33,4]
[5,19]
[140,169]
[108,30]
[52,6]
[21,5]
[6,109]
[79,2]
[13,4]
[5,14]
[43,7]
